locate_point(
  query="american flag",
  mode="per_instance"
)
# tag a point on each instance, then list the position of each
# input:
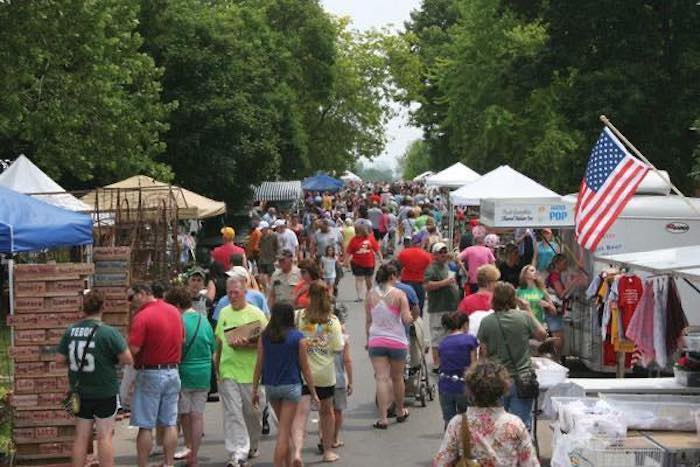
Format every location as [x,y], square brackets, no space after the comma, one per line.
[611,179]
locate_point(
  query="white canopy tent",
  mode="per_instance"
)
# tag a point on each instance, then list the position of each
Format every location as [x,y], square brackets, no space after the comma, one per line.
[454,176]
[511,199]
[25,177]
[680,261]
[350,177]
[423,176]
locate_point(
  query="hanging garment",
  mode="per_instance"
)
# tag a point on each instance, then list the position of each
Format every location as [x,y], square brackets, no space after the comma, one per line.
[610,300]
[676,320]
[630,291]
[660,298]
[641,327]
[592,290]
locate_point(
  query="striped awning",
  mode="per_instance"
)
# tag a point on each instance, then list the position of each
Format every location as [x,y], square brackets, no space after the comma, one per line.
[279,191]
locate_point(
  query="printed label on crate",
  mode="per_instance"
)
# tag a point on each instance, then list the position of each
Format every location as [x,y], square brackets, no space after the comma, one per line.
[23,433]
[102,267]
[24,354]
[27,304]
[30,369]
[30,336]
[115,306]
[81,269]
[53,336]
[40,272]
[47,352]
[49,399]
[113,293]
[73,287]
[24,400]
[30,289]
[111,279]
[101,253]
[45,432]
[72,303]
[24,386]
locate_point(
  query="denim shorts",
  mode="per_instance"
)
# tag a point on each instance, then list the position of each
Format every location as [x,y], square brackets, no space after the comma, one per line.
[283,392]
[390,353]
[154,402]
[554,322]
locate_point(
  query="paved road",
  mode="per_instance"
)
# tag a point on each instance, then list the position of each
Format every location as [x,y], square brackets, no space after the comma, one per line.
[409,444]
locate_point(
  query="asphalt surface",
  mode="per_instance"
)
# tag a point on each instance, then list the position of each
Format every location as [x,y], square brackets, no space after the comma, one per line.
[412,443]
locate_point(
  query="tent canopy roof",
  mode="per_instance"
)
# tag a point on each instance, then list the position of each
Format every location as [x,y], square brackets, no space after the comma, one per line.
[28,224]
[350,177]
[501,183]
[682,261]
[423,176]
[152,193]
[454,176]
[279,191]
[23,176]
[322,182]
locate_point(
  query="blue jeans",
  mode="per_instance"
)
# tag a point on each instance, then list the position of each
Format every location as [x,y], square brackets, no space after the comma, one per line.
[154,402]
[520,407]
[286,392]
[451,405]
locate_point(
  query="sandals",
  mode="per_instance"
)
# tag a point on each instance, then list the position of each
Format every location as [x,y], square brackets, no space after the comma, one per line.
[402,418]
[380,426]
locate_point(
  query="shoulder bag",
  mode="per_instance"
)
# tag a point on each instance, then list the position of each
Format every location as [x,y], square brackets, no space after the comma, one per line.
[194,336]
[526,384]
[71,404]
[466,459]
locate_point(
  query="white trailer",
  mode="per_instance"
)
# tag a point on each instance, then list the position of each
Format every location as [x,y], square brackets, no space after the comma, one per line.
[652,220]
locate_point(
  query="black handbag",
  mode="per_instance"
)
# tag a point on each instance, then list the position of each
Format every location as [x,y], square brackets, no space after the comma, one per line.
[71,404]
[526,384]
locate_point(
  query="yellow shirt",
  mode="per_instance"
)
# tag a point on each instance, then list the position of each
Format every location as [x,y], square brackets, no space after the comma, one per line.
[323,340]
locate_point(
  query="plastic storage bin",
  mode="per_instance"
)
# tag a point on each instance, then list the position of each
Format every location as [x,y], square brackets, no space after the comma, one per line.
[549,373]
[589,416]
[692,342]
[686,378]
[655,412]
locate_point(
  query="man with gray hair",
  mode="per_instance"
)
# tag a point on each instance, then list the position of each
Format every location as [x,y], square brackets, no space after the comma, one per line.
[235,363]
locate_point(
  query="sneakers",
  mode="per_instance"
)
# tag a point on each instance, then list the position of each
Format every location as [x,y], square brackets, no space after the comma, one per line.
[182,454]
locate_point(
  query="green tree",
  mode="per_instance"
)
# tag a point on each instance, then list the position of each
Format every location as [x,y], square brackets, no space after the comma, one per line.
[415,160]
[76,94]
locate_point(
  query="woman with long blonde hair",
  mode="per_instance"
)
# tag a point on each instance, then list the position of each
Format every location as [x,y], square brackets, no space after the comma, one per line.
[324,337]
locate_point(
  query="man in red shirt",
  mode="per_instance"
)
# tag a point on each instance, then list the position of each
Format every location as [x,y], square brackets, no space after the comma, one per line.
[222,254]
[415,260]
[155,339]
[486,278]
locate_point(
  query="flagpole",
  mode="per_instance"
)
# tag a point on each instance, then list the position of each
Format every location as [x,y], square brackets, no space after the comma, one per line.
[622,138]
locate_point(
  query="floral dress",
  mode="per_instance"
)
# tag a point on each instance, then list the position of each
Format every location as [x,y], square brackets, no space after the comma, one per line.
[498,439]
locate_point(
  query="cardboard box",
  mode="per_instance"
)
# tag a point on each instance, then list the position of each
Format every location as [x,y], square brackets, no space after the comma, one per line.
[250,331]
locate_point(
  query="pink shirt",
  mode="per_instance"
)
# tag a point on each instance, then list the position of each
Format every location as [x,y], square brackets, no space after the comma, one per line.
[475,257]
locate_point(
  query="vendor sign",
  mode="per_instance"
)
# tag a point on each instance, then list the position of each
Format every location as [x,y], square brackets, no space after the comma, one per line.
[519,213]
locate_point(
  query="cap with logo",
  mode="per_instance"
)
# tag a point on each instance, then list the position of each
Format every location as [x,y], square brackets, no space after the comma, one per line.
[439,246]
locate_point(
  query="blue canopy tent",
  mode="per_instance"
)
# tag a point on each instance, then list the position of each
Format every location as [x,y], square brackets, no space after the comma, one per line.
[27,224]
[322,182]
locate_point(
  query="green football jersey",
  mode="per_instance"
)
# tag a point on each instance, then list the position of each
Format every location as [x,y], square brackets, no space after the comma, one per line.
[98,378]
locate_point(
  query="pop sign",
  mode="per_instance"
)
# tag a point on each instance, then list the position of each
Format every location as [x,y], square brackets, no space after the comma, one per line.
[523,213]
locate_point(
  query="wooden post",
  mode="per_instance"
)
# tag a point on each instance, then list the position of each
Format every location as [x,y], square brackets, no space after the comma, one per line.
[637,153]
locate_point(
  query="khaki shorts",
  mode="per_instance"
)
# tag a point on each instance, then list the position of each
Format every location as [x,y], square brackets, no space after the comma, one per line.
[192,400]
[437,332]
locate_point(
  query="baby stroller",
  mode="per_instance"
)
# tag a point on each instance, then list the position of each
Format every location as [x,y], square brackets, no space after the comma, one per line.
[417,377]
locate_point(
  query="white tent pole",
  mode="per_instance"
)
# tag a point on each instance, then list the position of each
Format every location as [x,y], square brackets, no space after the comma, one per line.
[637,153]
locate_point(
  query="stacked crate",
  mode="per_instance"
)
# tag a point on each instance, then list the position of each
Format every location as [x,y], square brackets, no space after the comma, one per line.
[48,299]
[112,275]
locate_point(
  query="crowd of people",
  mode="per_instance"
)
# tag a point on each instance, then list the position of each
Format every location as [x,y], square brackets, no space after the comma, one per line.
[261,326]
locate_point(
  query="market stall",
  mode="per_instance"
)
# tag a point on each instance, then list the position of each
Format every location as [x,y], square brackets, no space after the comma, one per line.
[44,300]
[452,177]
[322,182]
[639,421]
[350,177]
[279,191]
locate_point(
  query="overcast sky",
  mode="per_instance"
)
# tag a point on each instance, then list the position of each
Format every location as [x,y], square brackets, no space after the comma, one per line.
[367,14]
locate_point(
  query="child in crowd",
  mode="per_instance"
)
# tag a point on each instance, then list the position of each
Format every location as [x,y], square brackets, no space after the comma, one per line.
[328,265]
[457,352]
[282,357]
[343,382]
